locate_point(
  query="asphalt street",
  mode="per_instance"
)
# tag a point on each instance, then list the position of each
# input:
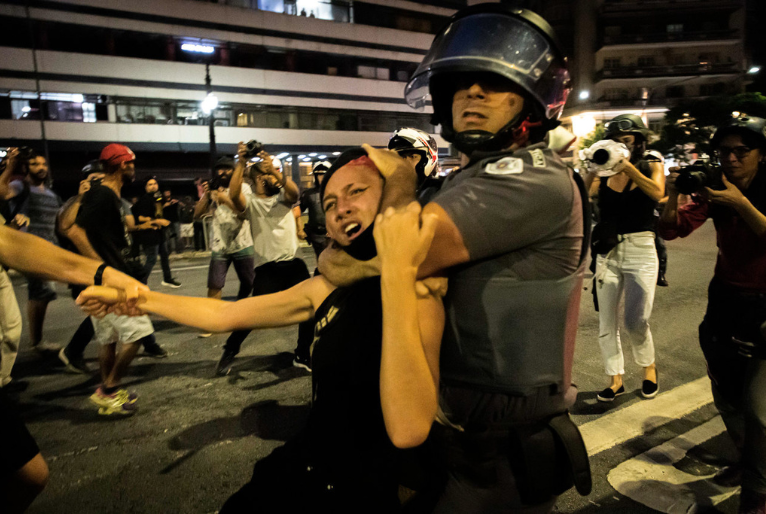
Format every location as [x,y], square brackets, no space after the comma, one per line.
[195,437]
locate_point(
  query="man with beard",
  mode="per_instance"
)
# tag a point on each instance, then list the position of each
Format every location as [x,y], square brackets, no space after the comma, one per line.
[231,240]
[32,198]
[275,243]
[103,219]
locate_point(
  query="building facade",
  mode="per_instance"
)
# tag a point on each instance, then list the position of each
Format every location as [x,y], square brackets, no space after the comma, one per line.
[308,78]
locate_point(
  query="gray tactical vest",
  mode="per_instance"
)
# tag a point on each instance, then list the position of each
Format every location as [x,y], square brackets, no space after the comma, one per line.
[507,335]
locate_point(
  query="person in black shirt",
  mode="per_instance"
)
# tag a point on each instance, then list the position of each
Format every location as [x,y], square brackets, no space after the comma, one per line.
[148,209]
[316,232]
[369,398]
[102,218]
[627,200]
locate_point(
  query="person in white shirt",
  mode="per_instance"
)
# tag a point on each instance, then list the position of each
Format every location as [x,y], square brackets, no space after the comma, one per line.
[268,209]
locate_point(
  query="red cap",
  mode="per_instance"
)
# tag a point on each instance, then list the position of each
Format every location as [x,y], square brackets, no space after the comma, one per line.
[115,153]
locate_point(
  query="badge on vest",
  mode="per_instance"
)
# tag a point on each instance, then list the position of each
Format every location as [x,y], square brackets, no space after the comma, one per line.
[505,166]
[538,158]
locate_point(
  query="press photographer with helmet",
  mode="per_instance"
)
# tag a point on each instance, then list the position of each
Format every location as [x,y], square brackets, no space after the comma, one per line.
[511,239]
[732,332]
[623,240]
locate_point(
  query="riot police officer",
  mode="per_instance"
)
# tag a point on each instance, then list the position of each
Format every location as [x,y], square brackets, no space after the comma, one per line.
[511,239]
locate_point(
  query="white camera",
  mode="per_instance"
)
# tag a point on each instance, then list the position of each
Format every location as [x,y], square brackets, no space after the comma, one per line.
[603,156]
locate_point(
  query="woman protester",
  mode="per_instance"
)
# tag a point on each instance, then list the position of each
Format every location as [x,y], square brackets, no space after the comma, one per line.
[374,358]
[627,200]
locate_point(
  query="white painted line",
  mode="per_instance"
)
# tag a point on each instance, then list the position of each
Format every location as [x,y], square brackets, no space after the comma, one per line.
[652,480]
[622,425]
[183,269]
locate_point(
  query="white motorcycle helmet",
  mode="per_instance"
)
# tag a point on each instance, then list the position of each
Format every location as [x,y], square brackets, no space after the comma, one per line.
[412,140]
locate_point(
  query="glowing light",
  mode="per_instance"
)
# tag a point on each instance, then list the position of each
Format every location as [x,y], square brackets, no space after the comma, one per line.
[583,124]
[313,154]
[336,153]
[754,69]
[584,94]
[301,157]
[282,155]
[209,103]
[323,157]
[736,114]
[197,49]
[26,108]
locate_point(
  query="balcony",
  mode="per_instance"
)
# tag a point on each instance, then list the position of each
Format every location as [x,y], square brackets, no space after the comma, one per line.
[615,8]
[667,71]
[670,37]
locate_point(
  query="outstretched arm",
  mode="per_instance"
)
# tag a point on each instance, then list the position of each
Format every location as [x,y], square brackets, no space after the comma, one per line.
[288,307]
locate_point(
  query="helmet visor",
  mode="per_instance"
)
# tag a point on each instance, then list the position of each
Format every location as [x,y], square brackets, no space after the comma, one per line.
[497,43]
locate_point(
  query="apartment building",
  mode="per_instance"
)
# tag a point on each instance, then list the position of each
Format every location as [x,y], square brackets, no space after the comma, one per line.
[308,78]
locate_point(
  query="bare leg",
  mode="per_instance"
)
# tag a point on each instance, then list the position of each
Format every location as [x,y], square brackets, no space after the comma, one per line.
[124,358]
[214,293]
[106,360]
[24,485]
[650,372]
[616,382]
[36,314]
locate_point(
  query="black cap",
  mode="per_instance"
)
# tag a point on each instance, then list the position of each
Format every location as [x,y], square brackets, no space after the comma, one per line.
[223,162]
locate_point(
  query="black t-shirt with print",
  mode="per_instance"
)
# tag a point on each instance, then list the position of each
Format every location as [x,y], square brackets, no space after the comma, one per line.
[102,218]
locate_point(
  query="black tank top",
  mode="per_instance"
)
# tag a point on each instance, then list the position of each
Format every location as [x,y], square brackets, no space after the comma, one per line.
[630,210]
[346,432]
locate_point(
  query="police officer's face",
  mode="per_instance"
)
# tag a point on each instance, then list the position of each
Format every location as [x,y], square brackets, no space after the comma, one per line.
[351,201]
[486,103]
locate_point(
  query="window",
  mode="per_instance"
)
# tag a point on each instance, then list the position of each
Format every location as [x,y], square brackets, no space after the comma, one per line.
[646,60]
[371,72]
[89,112]
[611,62]
[675,28]
[615,94]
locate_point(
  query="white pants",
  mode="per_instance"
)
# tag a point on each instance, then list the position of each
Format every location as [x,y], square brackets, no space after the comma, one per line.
[631,267]
[10,328]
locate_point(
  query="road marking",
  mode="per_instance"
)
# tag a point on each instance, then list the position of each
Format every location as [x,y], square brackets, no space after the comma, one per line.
[635,420]
[184,269]
[652,479]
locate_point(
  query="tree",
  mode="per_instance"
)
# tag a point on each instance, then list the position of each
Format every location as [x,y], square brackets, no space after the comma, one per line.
[597,135]
[689,126]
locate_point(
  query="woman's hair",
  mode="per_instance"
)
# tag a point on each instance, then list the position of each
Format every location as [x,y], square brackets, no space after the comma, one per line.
[353,154]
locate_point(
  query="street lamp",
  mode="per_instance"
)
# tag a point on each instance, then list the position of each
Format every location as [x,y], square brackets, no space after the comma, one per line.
[754,70]
[209,105]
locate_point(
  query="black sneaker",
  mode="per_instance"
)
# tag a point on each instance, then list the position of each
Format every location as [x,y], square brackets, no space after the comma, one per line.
[729,476]
[152,349]
[74,364]
[649,389]
[661,280]
[175,284]
[225,364]
[302,362]
[608,394]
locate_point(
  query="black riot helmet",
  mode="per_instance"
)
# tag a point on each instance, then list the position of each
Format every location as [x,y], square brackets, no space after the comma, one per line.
[514,44]
[751,128]
[627,124]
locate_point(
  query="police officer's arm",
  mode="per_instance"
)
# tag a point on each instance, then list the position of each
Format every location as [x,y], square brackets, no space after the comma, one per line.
[235,184]
[652,186]
[412,328]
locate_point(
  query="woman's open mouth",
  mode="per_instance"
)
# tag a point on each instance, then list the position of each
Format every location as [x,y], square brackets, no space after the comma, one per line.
[352,230]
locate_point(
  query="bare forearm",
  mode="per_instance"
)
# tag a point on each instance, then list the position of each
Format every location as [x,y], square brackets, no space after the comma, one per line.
[291,190]
[268,311]
[80,239]
[653,187]
[201,208]
[33,255]
[235,186]
[408,384]
[669,214]
[340,269]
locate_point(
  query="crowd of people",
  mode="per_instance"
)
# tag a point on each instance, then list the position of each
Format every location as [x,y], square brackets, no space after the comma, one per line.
[440,324]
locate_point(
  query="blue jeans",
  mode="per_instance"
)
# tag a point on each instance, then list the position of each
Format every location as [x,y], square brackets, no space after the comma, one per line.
[151,252]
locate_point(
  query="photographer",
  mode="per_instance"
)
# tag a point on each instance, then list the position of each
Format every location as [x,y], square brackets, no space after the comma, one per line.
[732,332]
[269,209]
[627,257]
[231,240]
[31,197]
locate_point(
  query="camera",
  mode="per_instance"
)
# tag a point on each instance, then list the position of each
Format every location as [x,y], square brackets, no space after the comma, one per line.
[214,183]
[253,148]
[698,175]
[603,156]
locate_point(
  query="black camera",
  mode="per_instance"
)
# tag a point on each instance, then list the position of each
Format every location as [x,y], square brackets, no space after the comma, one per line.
[25,153]
[698,175]
[253,148]
[214,183]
